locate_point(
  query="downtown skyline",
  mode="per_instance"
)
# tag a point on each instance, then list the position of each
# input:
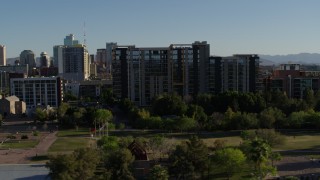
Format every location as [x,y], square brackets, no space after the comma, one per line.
[231,27]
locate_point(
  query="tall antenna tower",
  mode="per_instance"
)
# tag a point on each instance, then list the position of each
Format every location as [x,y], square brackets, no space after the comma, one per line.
[84,34]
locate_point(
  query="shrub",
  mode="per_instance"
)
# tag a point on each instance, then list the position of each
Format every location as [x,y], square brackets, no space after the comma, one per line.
[35,133]
[11,136]
[121,126]
[24,136]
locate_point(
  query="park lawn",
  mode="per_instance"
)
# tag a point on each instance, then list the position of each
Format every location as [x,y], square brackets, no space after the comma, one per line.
[84,132]
[68,144]
[23,144]
[300,142]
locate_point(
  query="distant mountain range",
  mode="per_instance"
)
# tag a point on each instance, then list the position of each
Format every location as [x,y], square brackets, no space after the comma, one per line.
[302,58]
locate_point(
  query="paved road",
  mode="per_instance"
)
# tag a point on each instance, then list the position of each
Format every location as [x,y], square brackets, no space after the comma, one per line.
[24,172]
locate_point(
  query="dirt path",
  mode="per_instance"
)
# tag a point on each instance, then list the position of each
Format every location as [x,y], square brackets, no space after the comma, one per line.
[23,156]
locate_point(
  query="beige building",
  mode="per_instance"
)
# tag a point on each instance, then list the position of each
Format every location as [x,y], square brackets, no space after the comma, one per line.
[3,57]
[12,105]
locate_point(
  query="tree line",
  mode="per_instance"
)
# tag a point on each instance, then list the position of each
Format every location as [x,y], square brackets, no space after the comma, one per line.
[226,111]
[187,159]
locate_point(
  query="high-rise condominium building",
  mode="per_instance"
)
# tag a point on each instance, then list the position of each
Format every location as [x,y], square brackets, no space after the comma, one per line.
[72,60]
[44,60]
[3,57]
[140,74]
[239,72]
[109,47]
[76,63]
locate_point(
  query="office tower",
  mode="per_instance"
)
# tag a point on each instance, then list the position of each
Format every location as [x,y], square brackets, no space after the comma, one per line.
[42,91]
[58,57]
[75,63]
[72,60]
[91,59]
[101,57]
[27,57]
[70,41]
[44,60]
[3,57]
[141,74]
[109,47]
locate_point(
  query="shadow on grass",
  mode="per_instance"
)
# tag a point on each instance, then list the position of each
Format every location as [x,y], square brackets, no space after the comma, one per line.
[40,158]
[299,132]
[174,134]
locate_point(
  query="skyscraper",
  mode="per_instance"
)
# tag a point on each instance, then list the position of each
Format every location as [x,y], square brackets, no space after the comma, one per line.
[101,57]
[3,58]
[27,57]
[72,59]
[44,60]
[75,63]
[109,47]
[70,41]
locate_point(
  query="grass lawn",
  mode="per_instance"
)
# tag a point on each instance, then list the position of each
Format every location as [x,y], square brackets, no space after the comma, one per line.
[68,144]
[74,132]
[300,142]
[16,144]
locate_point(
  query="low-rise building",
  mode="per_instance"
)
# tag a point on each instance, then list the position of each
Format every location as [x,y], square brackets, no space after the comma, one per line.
[42,91]
[12,105]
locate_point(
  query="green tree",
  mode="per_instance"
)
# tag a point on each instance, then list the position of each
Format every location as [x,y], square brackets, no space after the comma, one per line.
[81,164]
[205,101]
[197,113]
[40,115]
[270,136]
[119,164]
[190,159]
[258,152]
[155,145]
[102,117]
[158,172]
[184,123]
[62,109]
[107,96]
[108,144]
[229,160]
[271,117]
[169,104]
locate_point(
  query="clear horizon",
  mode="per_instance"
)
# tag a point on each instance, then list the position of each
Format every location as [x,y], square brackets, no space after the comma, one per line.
[230,27]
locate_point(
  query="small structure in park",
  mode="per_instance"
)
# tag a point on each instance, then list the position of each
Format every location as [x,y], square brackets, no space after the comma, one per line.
[141,165]
[12,105]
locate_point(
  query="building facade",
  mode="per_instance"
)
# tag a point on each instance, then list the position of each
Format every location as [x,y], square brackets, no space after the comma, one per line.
[45,60]
[3,55]
[72,60]
[293,81]
[75,63]
[101,57]
[70,41]
[141,74]
[35,92]
[28,57]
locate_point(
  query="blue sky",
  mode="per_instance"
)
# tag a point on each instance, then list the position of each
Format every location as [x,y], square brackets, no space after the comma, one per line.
[229,26]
